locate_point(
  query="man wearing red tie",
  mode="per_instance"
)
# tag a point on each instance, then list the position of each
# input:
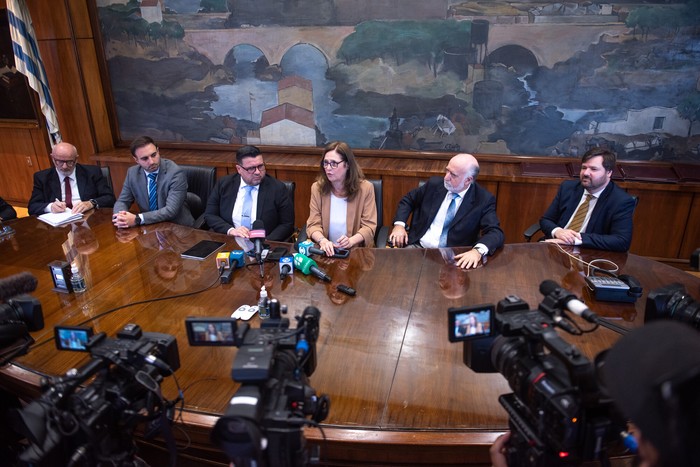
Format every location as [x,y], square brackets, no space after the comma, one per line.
[69,185]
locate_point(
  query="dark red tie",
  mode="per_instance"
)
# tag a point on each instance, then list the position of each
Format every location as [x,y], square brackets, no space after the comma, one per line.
[69,193]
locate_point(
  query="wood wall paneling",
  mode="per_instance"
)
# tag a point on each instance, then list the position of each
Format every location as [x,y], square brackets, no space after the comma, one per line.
[520,205]
[691,240]
[19,162]
[98,117]
[50,20]
[660,222]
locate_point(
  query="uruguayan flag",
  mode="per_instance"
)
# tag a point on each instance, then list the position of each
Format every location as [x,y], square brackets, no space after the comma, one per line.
[28,61]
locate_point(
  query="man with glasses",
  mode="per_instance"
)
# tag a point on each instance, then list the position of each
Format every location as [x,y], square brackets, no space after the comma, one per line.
[451,211]
[239,200]
[70,185]
[158,186]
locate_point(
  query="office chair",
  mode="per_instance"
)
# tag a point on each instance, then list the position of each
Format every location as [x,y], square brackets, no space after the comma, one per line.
[200,183]
[291,188]
[534,228]
[108,175]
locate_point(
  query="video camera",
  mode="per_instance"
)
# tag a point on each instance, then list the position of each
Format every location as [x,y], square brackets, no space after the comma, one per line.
[673,302]
[71,424]
[558,413]
[20,314]
[263,423]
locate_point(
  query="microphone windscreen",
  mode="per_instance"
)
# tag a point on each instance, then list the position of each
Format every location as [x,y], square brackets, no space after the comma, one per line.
[548,286]
[17,284]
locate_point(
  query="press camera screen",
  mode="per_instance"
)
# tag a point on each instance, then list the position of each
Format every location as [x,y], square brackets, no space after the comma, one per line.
[72,338]
[210,331]
[471,322]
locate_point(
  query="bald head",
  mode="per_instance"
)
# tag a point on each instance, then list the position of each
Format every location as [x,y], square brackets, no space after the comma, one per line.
[64,156]
[460,172]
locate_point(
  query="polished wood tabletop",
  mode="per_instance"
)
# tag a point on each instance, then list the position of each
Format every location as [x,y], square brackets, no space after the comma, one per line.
[399,390]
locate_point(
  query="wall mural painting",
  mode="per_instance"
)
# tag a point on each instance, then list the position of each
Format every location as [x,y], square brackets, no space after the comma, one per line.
[498,77]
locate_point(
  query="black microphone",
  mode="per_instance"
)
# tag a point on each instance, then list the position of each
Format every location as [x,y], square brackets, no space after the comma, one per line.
[17,284]
[286,267]
[305,248]
[568,300]
[257,235]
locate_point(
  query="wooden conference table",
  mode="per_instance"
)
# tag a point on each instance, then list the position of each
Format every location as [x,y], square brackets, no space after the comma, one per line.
[400,392]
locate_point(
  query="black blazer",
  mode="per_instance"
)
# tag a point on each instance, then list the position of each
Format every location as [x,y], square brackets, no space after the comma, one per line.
[91,184]
[475,221]
[610,225]
[7,212]
[274,207]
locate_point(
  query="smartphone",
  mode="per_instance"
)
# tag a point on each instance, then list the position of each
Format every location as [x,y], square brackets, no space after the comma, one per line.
[277,253]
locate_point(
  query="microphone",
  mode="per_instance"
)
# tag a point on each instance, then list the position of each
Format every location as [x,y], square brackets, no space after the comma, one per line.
[306,248]
[309,266]
[568,300]
[286,267]
[229,261]
[257,235]
[17,284]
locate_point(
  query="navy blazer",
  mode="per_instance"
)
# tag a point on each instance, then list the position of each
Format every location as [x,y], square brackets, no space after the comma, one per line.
[610,225]
[172,194]
[91,185]
[475,221]
[274,207]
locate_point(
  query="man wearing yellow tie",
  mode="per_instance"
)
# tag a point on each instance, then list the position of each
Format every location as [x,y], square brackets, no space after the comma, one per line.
[593,211]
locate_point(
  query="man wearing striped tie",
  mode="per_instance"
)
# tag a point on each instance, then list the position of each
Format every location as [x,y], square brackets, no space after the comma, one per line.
[157,185]
[592,211]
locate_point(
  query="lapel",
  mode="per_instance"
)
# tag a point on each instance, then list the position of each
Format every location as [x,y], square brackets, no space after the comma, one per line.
[54,185]
[262,193]
[466,205]
[599,208]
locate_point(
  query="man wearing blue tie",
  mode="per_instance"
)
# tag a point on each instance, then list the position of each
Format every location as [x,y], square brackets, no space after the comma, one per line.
[451,211]
[239,200]
[158,186]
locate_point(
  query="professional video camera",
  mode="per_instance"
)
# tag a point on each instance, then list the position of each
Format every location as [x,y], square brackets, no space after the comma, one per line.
[558,413]
[673,302]
[19,314]
[262,425]
[93,425]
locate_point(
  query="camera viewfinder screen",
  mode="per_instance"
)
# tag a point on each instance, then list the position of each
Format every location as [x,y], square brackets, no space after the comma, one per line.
[471,322]
[202,332]
[72,338]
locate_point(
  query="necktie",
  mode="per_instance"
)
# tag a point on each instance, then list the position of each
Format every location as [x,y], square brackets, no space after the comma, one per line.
[247,206]
[69,193]
[580,214]
[152,192]
[451,210]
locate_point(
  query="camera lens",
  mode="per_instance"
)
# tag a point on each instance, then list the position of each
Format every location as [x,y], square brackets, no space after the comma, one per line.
[683,308]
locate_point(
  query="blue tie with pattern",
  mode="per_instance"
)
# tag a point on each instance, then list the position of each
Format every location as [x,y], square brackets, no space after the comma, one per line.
[247,206]
[152,192]
[451,211]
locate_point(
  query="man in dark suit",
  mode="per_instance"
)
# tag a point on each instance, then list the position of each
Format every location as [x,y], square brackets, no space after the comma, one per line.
[606,222]
[268,200]
[451,211]
[158,186]
[7,212]
[85,185]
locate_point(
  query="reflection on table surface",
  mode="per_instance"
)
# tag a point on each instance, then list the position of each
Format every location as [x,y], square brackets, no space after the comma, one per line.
[383,355]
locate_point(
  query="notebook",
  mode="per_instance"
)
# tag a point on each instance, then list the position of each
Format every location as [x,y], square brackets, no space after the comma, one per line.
[60,218]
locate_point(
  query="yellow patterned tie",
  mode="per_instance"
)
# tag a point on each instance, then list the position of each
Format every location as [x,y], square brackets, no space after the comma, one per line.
[580,214]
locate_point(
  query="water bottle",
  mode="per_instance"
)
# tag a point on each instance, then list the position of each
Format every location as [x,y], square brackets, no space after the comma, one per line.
[77,281]
[263,309]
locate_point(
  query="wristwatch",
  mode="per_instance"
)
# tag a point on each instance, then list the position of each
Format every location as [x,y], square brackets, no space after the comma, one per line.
[137,221]
[94,204]
[482,250]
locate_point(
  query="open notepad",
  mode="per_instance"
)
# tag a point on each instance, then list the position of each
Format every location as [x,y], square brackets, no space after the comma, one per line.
[60,218]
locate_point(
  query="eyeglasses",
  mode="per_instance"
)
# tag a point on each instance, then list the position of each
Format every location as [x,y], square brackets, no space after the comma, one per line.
[251,170]
[60,162]
[332,164]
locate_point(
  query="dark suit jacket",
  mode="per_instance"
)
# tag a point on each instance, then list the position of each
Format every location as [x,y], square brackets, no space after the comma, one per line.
[91,184]
[274,207]
[172,193]
[475,222]
[610,225]
[7,212]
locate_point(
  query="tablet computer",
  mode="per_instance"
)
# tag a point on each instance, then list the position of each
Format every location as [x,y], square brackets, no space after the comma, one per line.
[202,249]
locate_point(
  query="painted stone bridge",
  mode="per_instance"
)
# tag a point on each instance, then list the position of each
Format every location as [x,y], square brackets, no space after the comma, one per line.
[549,43]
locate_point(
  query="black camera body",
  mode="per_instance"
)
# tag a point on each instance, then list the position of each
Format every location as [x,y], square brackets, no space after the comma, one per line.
[263,422]
[672,302]
[93,423]
[557,413]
